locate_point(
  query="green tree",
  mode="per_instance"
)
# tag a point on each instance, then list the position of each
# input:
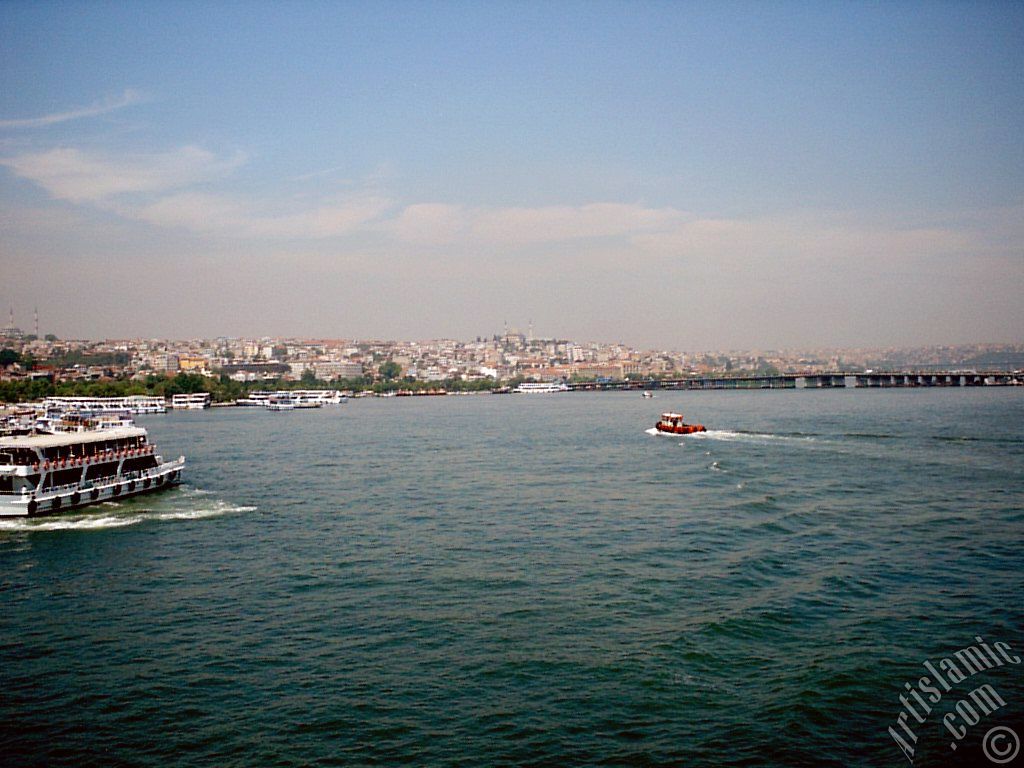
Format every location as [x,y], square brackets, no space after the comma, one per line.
[8,357]
[390,370]
[187,384]
[50,337]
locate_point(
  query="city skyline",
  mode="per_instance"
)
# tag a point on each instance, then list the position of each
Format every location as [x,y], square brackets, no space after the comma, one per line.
[43,344]
[679,177]
[33,326]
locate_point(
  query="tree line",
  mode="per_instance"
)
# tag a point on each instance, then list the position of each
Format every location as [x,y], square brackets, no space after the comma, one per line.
[222,388]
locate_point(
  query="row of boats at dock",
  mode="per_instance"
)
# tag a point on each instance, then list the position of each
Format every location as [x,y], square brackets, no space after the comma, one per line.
[133,404]
[277,400]
[71,452]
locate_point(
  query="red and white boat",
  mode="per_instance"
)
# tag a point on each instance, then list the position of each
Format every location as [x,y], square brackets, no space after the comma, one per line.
[673,424]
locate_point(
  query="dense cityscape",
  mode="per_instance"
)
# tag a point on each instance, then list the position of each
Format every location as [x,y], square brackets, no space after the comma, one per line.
[38,364]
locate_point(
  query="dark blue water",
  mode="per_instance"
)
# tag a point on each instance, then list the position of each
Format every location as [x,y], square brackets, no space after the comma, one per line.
[527,580]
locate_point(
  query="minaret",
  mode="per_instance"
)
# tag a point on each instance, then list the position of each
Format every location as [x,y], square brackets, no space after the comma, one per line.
[36,315]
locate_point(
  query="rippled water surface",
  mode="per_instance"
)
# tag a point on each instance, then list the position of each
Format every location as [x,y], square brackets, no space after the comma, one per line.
[526,580]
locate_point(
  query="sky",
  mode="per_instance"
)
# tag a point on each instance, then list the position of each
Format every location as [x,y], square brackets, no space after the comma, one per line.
[677,175]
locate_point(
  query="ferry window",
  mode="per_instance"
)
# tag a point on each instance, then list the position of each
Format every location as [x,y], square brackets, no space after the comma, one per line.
[6,484]
[18,456]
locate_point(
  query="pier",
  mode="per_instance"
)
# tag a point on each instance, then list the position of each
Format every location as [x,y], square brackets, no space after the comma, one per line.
[835,380]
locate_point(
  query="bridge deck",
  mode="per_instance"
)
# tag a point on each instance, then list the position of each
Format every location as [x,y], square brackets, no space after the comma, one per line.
[839,379]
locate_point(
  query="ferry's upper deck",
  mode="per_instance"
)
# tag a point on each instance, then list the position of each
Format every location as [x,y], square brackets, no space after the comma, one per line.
[26,449]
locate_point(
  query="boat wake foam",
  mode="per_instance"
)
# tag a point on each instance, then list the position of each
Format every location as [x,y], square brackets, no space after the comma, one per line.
[85,521]
[748,437]
[69,523]
[219,508]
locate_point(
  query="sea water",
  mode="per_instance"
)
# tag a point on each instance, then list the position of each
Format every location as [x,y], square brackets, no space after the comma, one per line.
[512,580]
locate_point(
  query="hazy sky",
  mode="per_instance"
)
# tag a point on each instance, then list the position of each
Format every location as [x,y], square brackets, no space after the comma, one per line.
[681,175]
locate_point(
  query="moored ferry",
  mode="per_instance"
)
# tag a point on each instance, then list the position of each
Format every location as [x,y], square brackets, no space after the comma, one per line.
[281,401]
[50,473]
[299,398]
[319,396]
[99,405]
[194,401]
[540,388]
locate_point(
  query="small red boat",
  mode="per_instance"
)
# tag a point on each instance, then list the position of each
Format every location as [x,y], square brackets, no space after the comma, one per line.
[673,424]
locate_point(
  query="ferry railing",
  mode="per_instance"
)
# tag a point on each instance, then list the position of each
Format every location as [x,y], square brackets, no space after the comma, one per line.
[90,484]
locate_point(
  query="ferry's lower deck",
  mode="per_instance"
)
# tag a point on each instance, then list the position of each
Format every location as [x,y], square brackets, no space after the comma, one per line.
[86,491]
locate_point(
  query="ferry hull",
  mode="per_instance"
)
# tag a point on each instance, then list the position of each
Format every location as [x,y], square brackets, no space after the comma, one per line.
[164,476]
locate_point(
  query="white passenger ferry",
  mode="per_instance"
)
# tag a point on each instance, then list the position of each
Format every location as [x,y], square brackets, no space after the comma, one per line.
[299,398]
[257,399]
[540,388]
[50,473]
[281,401]
[99,405]
[319,396]
[195,401]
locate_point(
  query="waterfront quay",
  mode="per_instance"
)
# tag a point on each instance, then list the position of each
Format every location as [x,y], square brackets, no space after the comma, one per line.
[837,380]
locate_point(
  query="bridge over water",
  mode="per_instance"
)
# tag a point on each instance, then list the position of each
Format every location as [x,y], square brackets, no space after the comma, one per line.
[838,379]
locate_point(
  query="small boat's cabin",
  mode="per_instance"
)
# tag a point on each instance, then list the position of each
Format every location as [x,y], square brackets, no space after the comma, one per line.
[673,419]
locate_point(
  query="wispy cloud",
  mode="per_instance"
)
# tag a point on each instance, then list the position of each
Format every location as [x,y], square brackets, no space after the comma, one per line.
[70,174]
[441,224]
[185,189]
[101,107]
[786,240]
[226,217]
[160,189]
[322,173]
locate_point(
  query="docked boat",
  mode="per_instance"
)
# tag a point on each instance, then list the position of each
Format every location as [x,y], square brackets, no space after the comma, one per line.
[306,399]
[194,401]
[300,398]
[317,397]
[252,401]
[94,406]
[84,464]
[540,388]
[281,401]
[673,424]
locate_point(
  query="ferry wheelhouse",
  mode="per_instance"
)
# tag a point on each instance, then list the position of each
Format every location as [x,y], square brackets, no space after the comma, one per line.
[194,401]
[50,473]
